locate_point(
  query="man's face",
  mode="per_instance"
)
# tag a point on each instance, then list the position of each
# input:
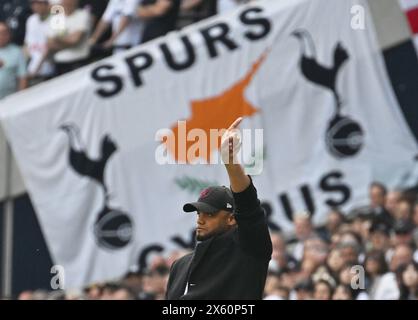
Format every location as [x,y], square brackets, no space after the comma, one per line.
[402,238]
[303,227]
[392,200]
[377,197]
[379,240]
[4,35]
[210,224]
[39,7]
[403,210]
[333,221]
[402,255]
[410,276]
[322,292]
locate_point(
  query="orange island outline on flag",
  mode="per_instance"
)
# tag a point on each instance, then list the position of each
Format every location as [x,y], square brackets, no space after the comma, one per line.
[217,113]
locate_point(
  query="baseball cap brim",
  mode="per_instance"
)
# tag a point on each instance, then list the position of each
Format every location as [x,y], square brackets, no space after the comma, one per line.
[199,206]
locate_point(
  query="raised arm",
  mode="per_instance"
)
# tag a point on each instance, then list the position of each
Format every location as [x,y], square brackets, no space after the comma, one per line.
[253,232]
[230,147]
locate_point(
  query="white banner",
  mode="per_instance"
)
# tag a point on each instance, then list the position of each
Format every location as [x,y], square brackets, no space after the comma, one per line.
[307,72]
[11,184]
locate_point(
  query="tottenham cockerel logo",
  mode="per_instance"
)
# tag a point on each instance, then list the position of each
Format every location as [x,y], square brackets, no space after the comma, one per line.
[344,136]
[113,227]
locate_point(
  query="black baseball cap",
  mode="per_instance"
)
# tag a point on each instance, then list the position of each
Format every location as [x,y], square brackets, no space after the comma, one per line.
[212,200]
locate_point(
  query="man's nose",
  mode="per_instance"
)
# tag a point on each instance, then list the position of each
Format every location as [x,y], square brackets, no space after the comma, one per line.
[200,219]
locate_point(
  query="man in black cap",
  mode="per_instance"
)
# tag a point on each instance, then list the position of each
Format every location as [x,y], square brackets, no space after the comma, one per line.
[403,232]
[234,248]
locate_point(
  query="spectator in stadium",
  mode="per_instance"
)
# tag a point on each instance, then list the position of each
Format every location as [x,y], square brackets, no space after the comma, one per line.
[13,76]
[115,291]
[155,281]
[234,248]
[304,290]
[334,262]
[315,250]
[272,282]
[96,9]
[175,255]
[392,200]
[127,29]
[279,293]
[40,68]
[377,194]
[403,210]
[69,43]
[360,226]
[375,267]
[350,247]
[15,13]
[334,220]
[134,280]
[303,230]
[323,289]
[407,278]
[280,258]
[403,254]
[289,277]
[379,237]
[345,275]
[159,16]
[195,10]
[123,293]
[307,269]
[93,292]
[343,292]
[388,288]
[403,233]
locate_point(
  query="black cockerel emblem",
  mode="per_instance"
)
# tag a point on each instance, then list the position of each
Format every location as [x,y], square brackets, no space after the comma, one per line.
[344,136]
[113,228]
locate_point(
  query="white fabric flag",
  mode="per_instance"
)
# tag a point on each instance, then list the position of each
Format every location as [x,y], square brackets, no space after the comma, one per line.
[297,69]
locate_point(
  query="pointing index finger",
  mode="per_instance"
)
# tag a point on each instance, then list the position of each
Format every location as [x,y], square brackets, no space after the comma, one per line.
[235,124]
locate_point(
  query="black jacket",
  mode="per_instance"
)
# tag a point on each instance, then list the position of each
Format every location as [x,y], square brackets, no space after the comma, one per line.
[232,265]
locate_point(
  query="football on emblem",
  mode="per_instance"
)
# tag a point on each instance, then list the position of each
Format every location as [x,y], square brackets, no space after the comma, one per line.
[113,229]
[344,137]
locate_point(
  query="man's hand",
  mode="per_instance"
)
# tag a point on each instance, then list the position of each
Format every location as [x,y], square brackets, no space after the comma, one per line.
[230,146]
[231,143]
[162,6]
[108,44]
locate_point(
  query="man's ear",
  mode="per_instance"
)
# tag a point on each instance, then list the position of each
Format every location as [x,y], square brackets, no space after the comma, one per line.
[231,220]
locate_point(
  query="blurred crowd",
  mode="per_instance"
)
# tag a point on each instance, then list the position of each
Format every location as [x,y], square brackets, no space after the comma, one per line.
[369,253]
[42,39]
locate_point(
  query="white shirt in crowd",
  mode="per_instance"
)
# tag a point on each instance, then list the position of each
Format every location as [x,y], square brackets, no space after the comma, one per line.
[115,10]
[79,20]
[387,288]
[36,40]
